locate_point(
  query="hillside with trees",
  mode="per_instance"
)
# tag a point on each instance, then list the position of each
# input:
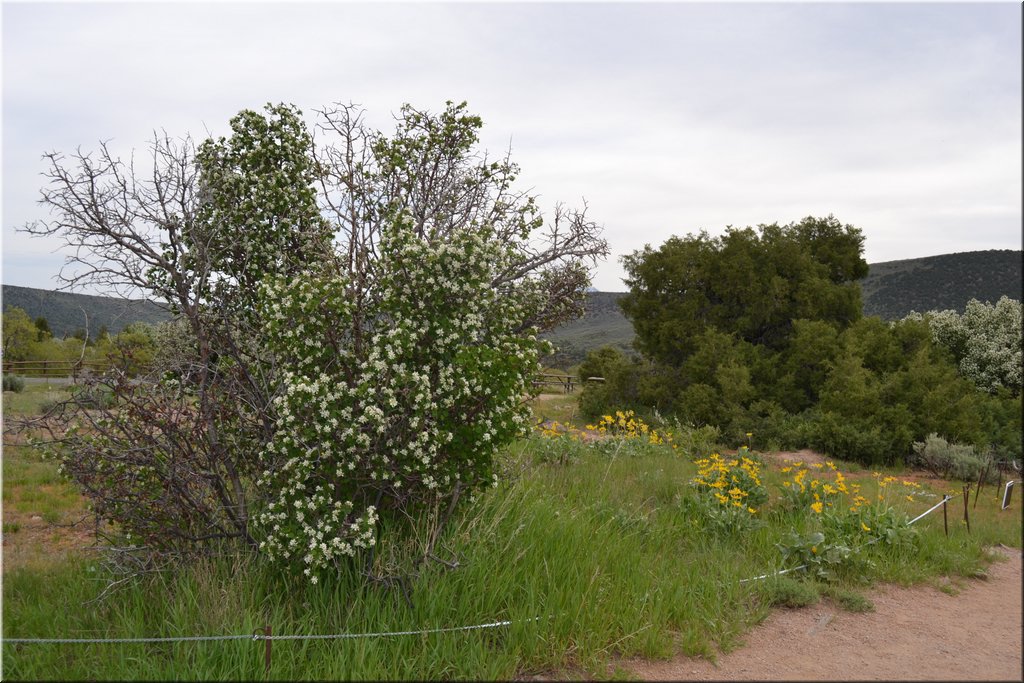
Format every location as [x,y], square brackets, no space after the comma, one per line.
[602,324]
[68,313]
[891,290]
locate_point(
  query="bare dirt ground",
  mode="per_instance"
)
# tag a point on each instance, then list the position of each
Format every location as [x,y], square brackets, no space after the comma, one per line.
[918,633]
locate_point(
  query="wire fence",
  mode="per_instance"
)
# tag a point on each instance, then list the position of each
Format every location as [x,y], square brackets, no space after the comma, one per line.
[268,637]
[941,503]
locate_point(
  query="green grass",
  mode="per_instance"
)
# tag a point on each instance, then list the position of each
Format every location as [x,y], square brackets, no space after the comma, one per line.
[33,486]
[560,408]
[34,397]
[593,559]
[849,599]
[785,591]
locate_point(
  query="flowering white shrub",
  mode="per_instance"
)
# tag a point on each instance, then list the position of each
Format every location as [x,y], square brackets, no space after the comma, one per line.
[394,407]
[358,330]
[986,341]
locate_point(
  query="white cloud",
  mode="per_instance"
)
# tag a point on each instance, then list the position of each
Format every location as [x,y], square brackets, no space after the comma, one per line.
[902,119]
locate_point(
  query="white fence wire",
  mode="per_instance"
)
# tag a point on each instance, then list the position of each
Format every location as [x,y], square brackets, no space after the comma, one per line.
[381,634]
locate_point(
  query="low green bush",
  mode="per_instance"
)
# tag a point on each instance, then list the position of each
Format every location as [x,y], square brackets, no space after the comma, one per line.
[14,383]
[950,460]
[695,442]
[872,443]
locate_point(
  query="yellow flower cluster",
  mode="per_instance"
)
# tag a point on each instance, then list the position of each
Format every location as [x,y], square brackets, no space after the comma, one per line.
[828,488]
[731,482]
[554,429]
[805,488]
[894,487]
[627,424]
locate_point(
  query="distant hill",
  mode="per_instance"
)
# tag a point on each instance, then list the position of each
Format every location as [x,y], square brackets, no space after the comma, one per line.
[602,323]
[891,290]
[66,312]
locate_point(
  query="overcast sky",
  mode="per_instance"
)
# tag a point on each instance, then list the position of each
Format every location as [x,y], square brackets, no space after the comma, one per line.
[667,118]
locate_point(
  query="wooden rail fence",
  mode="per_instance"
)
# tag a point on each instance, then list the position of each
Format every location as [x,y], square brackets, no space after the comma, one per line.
[53,368]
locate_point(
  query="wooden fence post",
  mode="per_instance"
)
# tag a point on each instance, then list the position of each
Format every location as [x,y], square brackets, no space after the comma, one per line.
[967,497]
[982,476]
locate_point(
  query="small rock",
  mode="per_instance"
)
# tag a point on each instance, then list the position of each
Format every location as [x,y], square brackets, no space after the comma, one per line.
[36,518]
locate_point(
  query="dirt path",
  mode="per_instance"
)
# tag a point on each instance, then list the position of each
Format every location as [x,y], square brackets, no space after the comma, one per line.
[918,633]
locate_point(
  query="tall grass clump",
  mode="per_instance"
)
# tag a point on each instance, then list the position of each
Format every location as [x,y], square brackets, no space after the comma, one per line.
[639,580]
[611,553]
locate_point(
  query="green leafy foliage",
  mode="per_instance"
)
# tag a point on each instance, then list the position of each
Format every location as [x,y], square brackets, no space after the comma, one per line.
[19,332]
[729,493]
[414,411]
[259,216]
[811,550]
[43,327]
[760,330]
[749,283]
